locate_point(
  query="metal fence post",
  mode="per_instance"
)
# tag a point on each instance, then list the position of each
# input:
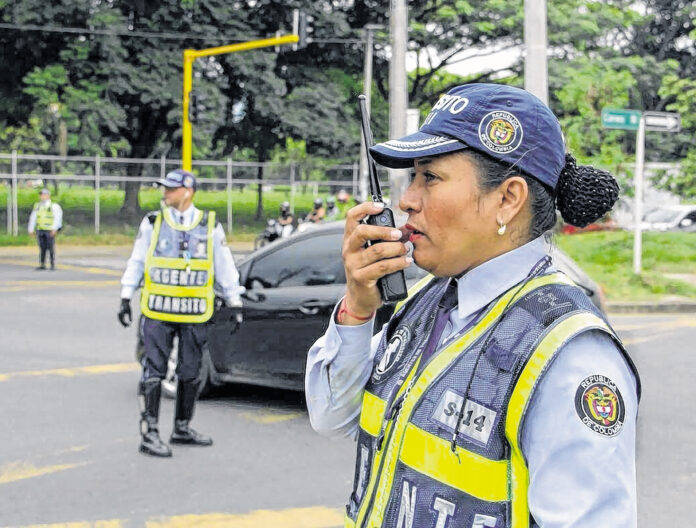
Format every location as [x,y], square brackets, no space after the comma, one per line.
[97,184]
[292,188]
[9,209]
[15,211]
[163,166]
[229,196]
[356,178]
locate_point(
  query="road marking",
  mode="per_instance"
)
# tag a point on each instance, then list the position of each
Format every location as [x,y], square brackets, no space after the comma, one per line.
[71,267]
[678,322]
[270,417]
[24,284]
[117,523]
[316,517]
[15,471]
[111,368]
[312,517]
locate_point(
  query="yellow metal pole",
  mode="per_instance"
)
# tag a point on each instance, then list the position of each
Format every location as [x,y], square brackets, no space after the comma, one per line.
[186,131]
[243,46]
[191,55]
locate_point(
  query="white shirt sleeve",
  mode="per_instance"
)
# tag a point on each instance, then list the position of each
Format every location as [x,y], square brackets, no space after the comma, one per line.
[578,477]
[339,365]
[136,263]
[32,221]
[226,274]
[57,217]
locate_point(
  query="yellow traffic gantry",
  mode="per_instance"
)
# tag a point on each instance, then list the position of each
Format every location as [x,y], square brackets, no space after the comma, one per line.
[191,55]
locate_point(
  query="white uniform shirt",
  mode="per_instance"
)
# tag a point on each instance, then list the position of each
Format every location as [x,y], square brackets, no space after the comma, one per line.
[225,272]
[57,218]
[578,478]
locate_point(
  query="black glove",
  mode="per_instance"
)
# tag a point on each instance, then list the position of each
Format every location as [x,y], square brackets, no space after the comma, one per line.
[125,311]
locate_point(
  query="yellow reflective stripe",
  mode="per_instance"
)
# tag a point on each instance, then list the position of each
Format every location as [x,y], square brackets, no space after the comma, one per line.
[373,408]
[473,474]
[178,291]
[559,334]
[377,459]
[414,290]
[180,264]
[196,220]
[348,522]
[437,364]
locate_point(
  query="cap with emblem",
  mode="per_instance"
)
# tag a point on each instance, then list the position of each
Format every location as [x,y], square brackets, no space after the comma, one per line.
[504,122]
[178,178]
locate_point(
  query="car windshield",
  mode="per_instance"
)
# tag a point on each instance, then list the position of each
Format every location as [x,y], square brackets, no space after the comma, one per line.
[661,216]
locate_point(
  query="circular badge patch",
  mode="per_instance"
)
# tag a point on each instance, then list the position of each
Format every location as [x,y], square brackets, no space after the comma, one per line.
[392,353]
[188,182]
[163,244]
[600,406]
[500,132]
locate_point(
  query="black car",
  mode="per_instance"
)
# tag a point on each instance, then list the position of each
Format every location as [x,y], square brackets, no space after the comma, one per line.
[292,287]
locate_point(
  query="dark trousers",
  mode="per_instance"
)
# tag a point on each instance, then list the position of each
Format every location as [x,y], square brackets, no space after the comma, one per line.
[46,243]
[158,337]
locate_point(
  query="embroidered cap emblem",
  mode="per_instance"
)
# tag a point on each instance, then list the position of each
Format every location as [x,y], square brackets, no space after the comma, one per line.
[600,406]
[500,132]
[392,353]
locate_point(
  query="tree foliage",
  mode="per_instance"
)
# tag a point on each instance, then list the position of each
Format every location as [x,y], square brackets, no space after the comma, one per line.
[120,93]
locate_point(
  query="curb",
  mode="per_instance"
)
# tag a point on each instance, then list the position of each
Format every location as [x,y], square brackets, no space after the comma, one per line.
[652,307]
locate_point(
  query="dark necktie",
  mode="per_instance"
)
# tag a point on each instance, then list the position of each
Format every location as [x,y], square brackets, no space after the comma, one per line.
[444,307]
[181,219]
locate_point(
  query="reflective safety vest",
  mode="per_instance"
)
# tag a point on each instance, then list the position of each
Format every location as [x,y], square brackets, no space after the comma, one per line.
[44,216]
[411,469]
[178,285]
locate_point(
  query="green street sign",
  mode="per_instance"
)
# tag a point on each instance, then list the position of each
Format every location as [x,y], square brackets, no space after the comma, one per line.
[619,118]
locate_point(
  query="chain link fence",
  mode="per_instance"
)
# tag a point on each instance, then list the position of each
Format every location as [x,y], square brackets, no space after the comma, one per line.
[95,191]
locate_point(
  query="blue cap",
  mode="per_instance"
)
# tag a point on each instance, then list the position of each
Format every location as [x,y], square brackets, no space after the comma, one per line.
[178,178]
[506,123]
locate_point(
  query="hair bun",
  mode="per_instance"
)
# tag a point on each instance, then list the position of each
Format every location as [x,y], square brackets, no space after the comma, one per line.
[584,194]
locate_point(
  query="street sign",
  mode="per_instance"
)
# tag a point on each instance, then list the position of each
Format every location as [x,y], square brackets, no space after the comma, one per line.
[662,121]
[620,118]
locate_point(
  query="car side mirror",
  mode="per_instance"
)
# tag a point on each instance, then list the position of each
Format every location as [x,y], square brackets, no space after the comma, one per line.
[686,222]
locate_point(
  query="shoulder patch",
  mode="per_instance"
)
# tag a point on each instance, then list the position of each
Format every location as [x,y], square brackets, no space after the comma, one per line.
[392,354]
[600,406]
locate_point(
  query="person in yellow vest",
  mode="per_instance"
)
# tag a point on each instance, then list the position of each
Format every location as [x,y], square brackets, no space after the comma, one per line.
[497,395]
[45,221]
[179,254]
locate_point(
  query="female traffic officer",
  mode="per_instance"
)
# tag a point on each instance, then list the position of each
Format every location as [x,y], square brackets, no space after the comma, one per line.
[497,395]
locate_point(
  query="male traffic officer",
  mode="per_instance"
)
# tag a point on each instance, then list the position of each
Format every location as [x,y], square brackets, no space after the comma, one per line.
[180,252]
[45,220]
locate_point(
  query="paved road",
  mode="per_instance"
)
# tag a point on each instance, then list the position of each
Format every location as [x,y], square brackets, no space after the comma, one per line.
[69,434]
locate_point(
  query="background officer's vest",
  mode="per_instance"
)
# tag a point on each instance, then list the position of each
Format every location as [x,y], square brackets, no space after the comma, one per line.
[44,217]
[179,270]
[407,474]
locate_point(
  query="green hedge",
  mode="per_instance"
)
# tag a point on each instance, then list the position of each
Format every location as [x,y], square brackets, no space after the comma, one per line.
[78,204]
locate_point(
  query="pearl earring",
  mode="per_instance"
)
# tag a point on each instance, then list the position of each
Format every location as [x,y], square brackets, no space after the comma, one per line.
[502,228]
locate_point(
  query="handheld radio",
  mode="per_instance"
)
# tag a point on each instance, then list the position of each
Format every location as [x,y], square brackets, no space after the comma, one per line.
[393,286]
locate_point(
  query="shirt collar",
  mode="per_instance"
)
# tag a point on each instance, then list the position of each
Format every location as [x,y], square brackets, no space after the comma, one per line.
[188,214]
[479,286]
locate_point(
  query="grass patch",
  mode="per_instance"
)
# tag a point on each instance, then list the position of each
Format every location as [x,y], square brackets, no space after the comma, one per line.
[607,257]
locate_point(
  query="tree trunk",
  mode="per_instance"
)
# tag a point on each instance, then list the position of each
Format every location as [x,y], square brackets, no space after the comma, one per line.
[259,203]
[130,211]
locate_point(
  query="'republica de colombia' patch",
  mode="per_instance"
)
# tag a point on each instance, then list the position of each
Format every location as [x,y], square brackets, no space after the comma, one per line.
[600,406]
